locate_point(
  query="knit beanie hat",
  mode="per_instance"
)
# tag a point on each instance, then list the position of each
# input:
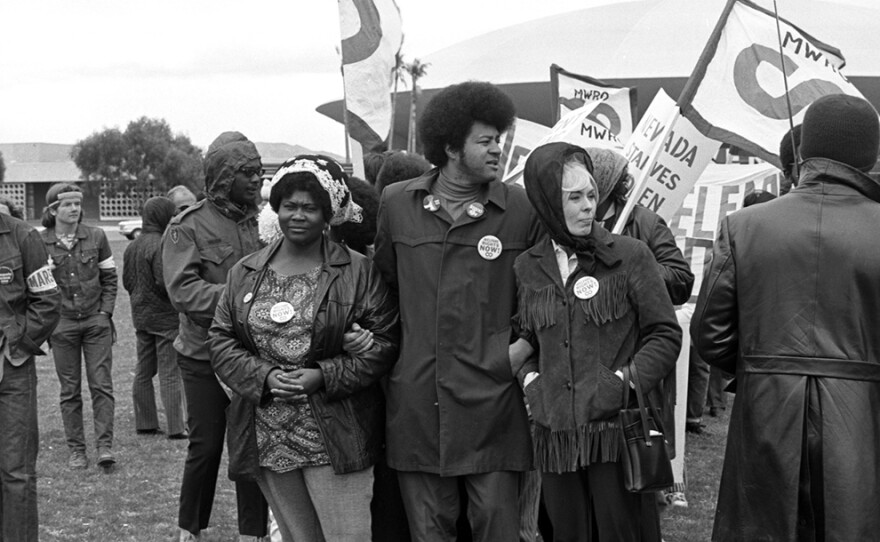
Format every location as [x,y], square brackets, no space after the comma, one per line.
[842,128]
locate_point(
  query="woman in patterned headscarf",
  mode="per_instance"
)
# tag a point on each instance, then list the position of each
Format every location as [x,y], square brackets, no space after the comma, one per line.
[306,419]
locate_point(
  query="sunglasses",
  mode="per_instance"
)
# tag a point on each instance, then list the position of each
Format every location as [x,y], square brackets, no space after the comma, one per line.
[251,171]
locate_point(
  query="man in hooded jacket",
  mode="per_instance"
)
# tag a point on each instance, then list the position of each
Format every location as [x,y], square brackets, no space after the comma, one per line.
[790,305]
[201,244]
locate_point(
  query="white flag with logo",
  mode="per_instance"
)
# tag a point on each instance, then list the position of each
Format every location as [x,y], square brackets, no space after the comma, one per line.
[572,91]
[579,127]
[737,92]
[371,36]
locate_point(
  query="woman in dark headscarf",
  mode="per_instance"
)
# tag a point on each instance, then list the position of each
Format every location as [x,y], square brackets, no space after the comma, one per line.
[590,303]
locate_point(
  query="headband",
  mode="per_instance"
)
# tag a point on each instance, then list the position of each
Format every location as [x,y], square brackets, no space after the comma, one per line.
[65,195]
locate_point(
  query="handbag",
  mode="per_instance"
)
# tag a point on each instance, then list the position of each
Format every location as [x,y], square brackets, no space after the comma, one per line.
[644,459]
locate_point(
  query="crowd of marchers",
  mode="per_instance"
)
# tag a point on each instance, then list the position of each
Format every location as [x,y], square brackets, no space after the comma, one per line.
[431,354]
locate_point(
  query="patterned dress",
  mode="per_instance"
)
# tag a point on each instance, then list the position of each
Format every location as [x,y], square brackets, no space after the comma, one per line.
[288,437]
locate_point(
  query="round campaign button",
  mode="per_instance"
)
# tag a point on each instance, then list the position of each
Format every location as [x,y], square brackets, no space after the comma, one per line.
[281,312]
[6,275]
[586,287]
[431,203]
[489,247]
[247,297]
[475,210]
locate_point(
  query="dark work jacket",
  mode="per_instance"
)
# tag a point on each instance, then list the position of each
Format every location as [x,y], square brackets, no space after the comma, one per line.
[200,245]
[791,304]
[646,225]
[142,277]
[349,408]
[30,301]
[85,273]
[454,407]
[576,398]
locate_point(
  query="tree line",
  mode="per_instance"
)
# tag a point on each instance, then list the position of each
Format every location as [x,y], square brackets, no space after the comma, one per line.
[146,158]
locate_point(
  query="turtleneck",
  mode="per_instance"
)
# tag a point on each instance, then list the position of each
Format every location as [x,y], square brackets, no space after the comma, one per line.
[454,195]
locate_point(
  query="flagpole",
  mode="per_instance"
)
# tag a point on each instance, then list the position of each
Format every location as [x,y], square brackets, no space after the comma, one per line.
[787,96]
[344,105]
[690,87]
[686,96]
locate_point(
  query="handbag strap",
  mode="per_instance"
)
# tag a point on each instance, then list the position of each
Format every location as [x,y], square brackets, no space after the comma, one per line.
[631,374]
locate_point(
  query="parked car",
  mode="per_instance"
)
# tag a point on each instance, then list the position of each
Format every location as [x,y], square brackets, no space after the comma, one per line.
[131,228]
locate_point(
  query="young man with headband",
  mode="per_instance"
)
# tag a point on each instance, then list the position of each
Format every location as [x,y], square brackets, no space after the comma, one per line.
[83,266]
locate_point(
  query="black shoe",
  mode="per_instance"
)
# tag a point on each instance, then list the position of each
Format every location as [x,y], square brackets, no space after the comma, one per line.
[179,436]
[694,427]
[713,411]
[156,431]
[105,457]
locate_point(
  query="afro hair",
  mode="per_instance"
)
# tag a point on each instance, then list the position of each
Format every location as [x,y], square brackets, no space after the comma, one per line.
[400,166]
[449,116]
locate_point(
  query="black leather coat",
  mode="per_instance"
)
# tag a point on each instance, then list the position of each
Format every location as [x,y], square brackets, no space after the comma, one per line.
[350,407]
[791,303]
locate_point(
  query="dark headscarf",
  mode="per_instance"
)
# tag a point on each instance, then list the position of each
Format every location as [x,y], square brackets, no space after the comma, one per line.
[543,180]
[157,214]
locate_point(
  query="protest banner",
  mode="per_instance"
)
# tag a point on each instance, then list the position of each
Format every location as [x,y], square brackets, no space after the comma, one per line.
[738,92]
[578,128]
[719,192]
[371,36]
[572,91]
[669,153]
[518,142]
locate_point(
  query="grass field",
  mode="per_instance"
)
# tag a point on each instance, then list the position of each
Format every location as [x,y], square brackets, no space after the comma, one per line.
[137,501]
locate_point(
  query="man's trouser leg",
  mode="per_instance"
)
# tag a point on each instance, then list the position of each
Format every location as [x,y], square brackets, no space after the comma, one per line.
[97,347]
[432,505]
[207,429]
[698,383]
[19,442]
[67,352]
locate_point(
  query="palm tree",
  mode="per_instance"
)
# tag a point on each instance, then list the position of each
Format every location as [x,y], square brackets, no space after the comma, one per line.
[398,74]
[416,70]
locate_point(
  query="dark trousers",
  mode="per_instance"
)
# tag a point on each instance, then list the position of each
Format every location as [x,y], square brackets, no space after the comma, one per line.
[74,342]
[716,396]
[207,404]
[432,505]
[156,355]
[19,442]
[698,383]
[387,511]
[592,505]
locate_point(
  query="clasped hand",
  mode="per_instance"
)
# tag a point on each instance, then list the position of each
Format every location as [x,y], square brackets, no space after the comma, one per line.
[294,386]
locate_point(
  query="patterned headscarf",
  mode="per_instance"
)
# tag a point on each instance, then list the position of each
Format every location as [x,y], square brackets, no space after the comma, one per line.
[608,166]
[331,177]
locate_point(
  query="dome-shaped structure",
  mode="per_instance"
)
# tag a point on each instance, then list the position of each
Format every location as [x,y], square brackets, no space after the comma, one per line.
[647,44]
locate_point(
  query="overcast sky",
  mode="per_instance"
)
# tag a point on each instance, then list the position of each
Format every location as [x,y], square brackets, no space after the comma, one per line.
[68,69]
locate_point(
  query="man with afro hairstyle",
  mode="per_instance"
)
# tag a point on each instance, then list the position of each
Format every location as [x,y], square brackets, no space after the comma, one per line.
[445,244]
